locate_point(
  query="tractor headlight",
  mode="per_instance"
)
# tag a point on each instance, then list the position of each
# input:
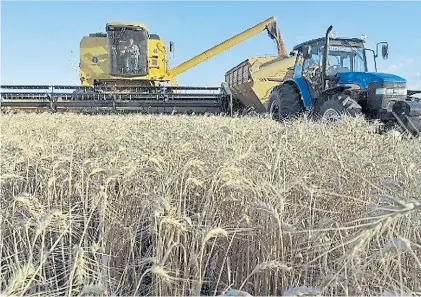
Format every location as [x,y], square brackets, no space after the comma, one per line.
[386,91]
[380,91]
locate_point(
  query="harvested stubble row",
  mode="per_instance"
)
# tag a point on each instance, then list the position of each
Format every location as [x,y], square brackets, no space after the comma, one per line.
[166,205]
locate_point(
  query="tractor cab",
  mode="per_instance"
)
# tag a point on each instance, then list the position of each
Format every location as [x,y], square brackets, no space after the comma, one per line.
[345,65]
[344,55]
[327,67]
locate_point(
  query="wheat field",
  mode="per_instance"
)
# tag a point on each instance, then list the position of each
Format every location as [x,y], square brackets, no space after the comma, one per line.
[184,205]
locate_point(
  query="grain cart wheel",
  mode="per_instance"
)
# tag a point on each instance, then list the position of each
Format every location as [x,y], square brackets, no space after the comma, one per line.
[250,111]
[285,103]
[334,108]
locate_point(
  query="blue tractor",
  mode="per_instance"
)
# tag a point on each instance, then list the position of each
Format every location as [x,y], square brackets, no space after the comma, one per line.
[331,78]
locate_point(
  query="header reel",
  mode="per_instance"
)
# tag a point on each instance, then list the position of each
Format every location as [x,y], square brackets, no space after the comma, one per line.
[113,99]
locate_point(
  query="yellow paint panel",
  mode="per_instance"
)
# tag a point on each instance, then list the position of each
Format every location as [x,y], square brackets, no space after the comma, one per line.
[93,47]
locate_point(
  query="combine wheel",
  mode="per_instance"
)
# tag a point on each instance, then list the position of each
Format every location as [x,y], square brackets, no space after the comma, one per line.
[334,108]
[285,103]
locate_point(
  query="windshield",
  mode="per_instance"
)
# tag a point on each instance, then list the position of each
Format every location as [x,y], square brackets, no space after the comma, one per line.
[345,59]
[128,51]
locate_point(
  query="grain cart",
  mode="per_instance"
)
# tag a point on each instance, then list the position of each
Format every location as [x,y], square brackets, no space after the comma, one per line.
[251,81]
[330,78]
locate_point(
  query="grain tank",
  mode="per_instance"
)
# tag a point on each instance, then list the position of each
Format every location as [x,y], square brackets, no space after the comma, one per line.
[252,80]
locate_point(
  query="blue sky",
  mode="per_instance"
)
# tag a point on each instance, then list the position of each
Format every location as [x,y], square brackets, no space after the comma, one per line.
[38,37]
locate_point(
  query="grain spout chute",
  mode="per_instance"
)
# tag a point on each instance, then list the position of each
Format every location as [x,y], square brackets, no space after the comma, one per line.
[252,80]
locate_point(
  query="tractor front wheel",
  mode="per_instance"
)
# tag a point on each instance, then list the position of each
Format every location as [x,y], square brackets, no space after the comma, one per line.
[334,108]
[284,103]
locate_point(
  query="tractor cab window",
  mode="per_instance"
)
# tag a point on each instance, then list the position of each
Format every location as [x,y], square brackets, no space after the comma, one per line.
[344,59]
[359,64]
[313,61]
[128,51]
[312,65]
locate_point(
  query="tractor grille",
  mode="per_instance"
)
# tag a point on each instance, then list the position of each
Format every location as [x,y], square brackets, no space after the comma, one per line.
[377,101]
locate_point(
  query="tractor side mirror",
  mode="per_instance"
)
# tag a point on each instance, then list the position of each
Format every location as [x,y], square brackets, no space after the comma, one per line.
[385,51]
[306,52]
[171,46]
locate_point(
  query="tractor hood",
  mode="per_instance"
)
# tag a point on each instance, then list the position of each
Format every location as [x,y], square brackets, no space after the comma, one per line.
[363,79]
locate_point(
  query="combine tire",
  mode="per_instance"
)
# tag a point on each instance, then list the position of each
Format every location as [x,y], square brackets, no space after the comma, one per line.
[334,108]
[285,103]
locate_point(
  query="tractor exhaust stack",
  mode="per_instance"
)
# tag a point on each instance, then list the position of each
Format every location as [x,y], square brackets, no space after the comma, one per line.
[325,54]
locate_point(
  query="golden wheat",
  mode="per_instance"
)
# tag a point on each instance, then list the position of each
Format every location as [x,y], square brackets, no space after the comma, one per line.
[178,205]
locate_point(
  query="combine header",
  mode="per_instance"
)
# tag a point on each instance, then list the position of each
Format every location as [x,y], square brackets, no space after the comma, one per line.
[94,99]
[126,68]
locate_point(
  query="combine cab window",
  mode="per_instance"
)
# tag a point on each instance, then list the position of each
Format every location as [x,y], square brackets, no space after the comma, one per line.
[128,51]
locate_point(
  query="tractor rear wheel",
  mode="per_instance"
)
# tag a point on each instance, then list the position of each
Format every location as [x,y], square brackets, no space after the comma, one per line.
[285,103]
[334,108]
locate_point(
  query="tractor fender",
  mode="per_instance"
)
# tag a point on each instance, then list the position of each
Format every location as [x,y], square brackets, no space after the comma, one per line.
[300,84]
[340,89]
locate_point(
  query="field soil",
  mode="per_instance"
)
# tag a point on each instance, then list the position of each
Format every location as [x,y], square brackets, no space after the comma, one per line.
[179,205]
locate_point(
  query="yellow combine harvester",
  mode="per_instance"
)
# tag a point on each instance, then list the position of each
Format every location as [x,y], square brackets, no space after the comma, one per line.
[127,68]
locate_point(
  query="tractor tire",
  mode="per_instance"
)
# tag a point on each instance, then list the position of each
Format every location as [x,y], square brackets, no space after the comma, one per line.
[334,108]
[285,103]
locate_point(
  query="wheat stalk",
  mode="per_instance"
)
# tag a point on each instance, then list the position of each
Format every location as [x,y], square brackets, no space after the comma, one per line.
[189,205]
